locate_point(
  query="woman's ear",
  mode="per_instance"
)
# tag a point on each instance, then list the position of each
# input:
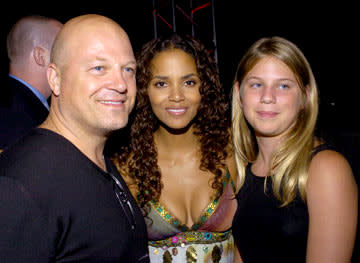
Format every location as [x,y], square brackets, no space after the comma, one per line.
[54,79]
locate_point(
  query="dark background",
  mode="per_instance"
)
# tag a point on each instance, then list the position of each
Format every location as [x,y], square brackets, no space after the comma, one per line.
[327,34]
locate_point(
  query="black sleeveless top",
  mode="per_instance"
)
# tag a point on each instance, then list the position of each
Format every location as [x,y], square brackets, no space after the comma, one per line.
[265,232]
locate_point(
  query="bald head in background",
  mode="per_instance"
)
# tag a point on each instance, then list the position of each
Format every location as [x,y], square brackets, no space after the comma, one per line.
[24,102]
[28,45]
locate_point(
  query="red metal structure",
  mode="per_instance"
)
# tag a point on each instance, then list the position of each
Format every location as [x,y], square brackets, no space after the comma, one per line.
[193,17]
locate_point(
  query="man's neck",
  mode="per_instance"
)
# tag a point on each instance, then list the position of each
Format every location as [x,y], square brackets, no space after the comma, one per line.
[92,146]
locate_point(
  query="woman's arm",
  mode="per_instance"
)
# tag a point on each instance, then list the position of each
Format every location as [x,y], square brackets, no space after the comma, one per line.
[332,201]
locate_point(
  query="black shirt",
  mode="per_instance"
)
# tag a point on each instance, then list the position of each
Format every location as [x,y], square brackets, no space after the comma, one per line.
[58,206]
[265,232]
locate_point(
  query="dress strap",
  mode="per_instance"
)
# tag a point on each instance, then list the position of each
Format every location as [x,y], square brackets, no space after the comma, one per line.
[322,147]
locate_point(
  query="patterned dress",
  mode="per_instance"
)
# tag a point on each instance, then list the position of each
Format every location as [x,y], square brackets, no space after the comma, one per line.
[172,241]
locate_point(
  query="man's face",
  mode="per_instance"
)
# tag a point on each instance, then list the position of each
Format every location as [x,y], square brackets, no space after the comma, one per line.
[97,81]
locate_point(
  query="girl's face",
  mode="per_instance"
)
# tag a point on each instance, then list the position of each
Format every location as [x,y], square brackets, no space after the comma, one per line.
[270,97]
[174,88]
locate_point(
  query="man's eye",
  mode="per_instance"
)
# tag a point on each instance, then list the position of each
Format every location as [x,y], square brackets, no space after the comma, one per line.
[129,69]
[98,68]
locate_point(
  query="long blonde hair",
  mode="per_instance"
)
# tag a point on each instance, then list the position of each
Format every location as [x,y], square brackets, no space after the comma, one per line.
[290,162]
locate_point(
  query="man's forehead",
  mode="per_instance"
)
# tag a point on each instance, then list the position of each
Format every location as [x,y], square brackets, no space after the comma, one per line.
[107,50]
[93,35]
[92,27]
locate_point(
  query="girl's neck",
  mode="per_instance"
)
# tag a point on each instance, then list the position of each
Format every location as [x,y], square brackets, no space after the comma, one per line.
[267,147]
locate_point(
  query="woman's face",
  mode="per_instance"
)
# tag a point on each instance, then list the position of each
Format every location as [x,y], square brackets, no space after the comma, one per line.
[270,97]
[174,88]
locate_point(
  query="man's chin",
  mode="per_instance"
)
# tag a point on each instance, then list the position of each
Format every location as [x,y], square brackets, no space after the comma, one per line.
[116,125]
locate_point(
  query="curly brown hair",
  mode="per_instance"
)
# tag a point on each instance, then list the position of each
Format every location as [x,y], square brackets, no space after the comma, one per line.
[211,123]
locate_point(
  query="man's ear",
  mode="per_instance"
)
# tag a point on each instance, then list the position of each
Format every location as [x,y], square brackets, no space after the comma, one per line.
[237,92]
[39,55]
[54,79]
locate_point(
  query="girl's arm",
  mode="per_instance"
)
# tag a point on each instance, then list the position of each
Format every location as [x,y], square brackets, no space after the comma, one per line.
[332,200]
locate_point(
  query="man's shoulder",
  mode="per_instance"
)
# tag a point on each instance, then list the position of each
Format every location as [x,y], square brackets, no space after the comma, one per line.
[39,151]
[20,108]
[16,92]
[20,111]
[20,99]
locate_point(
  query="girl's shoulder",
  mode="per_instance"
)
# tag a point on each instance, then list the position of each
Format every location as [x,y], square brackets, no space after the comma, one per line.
[330,174]
[328,162]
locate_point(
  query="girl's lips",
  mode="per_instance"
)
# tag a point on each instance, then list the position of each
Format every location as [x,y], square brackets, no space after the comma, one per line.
[267,114]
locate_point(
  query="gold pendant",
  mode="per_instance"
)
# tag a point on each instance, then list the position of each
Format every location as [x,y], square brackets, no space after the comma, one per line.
[216,254]
[191,255]
[167,258]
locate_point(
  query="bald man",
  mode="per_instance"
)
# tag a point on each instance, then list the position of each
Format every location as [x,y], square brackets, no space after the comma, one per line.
[28,45]
[62,199]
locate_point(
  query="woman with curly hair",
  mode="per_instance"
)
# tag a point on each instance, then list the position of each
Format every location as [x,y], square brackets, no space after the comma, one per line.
[298,198]
[179,162]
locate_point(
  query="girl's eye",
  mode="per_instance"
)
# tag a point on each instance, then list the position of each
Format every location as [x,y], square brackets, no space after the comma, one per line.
[255,85]
[284,86]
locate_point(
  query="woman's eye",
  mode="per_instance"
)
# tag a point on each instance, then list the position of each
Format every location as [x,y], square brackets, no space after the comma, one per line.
[190,83]
[160,84]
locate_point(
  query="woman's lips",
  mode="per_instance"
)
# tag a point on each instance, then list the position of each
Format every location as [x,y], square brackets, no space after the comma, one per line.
[176,111]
